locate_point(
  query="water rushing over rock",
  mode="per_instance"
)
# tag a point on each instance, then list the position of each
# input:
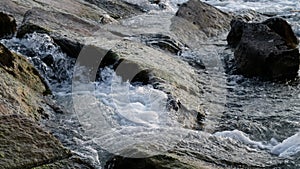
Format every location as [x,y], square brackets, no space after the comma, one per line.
[249,123]
[47,57]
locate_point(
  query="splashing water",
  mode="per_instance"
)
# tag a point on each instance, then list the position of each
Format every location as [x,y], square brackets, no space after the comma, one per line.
[251,111]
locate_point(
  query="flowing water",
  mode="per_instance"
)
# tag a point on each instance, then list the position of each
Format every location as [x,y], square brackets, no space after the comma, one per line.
[259,114]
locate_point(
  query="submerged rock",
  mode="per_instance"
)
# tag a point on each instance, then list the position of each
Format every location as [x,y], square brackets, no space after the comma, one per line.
[24,144]
[266,49]
[8,25]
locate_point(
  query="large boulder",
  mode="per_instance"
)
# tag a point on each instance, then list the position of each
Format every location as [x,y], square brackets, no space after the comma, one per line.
[266,49]
[78,8]
[22,87]
[8,25]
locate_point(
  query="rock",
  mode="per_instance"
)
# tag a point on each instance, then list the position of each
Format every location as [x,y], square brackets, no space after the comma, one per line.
[8,25]
[117,9]
[154,1]
[22,70]
[249,15]
[196,21]
[65,21]
[207,18]
[134,61]
[69,163]
[24,144]
[163,42]
[21,86]
[264,49]
[190,25]
[157,162]
[282,28]
[78,8]
[70,47]
[169,78]
[51,22]
[202,151]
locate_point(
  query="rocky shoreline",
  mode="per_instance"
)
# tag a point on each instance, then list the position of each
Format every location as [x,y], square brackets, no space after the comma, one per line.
[128,35]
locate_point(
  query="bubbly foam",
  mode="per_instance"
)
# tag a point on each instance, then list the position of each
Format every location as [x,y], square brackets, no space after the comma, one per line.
[289,147]
[121,117]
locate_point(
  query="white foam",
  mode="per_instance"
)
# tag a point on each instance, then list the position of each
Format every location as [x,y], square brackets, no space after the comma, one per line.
[120,116]
[138,104]
[290,147]
[240,136]
[260,6]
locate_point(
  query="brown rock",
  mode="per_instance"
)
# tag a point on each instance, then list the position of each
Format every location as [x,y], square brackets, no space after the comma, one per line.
[21,86]
[205,17]
[25,145]
[22,70]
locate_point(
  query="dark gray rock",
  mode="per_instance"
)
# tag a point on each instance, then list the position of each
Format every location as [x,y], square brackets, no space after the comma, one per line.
[156,162]
[8,25]
[264,49]
[282,28]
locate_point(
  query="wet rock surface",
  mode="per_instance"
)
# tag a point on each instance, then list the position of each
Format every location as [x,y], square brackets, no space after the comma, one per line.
[117,9]
[266,49]
[25,145]
[196,154]
[205,17]
[21,69]
[166,78]
[195,21]
[51,22]
[22,86]
[151,44]
[68,163]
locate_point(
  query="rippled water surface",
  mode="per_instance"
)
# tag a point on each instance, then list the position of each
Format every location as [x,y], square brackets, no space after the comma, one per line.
[260,114]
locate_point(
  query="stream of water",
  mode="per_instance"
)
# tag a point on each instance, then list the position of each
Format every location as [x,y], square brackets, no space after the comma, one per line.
[260,114]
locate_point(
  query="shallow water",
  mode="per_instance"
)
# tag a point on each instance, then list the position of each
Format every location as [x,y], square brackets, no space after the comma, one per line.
[261,115]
